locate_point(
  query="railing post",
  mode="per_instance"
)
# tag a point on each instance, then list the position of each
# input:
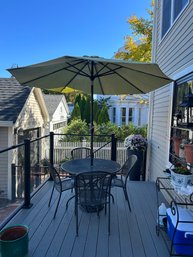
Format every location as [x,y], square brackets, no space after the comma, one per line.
[13,181]
[27,181]
[52,148]
[113,148]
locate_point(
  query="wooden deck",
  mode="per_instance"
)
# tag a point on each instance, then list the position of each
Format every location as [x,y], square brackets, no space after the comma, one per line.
[133,233]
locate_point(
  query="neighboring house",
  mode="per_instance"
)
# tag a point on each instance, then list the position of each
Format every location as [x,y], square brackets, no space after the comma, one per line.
[23,114]
[173,51]
[58,113]
[128,109]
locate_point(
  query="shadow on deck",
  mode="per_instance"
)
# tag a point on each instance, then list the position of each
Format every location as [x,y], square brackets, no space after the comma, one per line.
[133,233]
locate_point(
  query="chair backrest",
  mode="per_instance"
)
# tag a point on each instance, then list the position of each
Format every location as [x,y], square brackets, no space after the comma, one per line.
[55,176]
[129,164]
[80,153]
[92,188]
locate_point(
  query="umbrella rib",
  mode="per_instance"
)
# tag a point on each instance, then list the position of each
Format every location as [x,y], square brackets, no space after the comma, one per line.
[149,74]
[75,75]
[114,71]
[80,71]
[107,72]
[129,82]
[53,72]
[97,72]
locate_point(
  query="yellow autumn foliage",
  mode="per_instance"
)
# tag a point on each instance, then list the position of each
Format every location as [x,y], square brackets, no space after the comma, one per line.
[138,46]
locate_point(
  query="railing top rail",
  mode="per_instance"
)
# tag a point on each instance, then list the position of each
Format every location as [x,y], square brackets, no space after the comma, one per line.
[102,135]
[11,148]
[37,139]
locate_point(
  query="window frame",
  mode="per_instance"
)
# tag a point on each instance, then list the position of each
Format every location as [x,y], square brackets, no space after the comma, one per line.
[179,130]
[172,20]
[130,115]
[123,117]
[114,111]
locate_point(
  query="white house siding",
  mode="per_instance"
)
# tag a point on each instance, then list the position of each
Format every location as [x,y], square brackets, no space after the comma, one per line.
[174,51]
[160,132]
[5,170]
[174,54]
[59,119]
[31,115]
[60,115]
[129,102]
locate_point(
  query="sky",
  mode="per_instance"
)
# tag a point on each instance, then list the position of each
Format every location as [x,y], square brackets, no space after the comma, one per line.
[34,31]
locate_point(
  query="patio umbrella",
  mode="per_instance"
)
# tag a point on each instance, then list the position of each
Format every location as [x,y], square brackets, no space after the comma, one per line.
[92,75]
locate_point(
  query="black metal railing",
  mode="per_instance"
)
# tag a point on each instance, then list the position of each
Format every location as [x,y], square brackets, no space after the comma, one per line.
[26,167]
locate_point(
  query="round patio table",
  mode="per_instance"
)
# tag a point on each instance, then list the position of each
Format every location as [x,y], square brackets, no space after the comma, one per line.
[77,166]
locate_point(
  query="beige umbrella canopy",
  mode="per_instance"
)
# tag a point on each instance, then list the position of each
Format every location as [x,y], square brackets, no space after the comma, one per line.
[92,75]
[109,76]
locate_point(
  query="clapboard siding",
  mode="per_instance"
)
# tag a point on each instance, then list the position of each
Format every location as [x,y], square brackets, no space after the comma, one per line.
[159,132]
[173,53]
[176,48]
[31,115]
[3,161]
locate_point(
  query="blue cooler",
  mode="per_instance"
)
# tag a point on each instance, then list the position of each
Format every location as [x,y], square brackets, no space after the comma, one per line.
[183,238]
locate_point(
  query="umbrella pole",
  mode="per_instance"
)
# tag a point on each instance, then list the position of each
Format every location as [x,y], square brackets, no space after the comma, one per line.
[92,124]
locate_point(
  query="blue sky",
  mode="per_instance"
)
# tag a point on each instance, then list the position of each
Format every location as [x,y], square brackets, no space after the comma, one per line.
[38,30]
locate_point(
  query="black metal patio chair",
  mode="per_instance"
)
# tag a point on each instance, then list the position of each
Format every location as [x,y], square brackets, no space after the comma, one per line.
[60,185]
[92,193]
[80,153]
[121,179]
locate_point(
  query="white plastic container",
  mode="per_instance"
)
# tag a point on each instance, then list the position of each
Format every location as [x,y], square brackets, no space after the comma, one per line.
[162,213]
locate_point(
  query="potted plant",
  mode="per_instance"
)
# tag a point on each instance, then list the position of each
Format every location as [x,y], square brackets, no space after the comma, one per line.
[181,175]
[136,144]
[14,241]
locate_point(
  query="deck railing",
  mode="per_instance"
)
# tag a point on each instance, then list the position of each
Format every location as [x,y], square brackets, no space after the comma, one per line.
[23,162]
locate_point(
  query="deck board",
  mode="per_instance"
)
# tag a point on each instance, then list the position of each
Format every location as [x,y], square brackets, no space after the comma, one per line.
[132,234]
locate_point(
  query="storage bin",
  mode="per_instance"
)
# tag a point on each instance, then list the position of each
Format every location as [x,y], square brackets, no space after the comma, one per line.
[183,237]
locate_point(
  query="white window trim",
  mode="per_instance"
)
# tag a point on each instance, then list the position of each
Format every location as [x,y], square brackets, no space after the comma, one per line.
[172,23]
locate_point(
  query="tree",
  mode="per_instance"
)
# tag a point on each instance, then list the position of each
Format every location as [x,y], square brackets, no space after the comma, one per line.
[82,105]
[138,47]
[103,117]
[106,129]
[77,127]
[87,110]
[76,112]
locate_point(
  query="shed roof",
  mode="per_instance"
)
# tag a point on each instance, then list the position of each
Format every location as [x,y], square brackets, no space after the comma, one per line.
[12,98]
[52,102]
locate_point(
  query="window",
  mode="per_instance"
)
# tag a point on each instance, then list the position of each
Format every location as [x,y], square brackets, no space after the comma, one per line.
[59,125]
[182,115]
[114,115]
[170,11]
[123,116]
[130,117]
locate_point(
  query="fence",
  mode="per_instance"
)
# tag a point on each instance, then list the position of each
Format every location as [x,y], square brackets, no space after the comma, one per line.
[62,150]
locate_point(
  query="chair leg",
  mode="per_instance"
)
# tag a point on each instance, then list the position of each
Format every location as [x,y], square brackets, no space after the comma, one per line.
[51,197]
[126,197]
[57,205]
[76,214]
[113,199]
[109,208]
[69,201]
